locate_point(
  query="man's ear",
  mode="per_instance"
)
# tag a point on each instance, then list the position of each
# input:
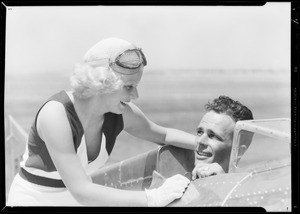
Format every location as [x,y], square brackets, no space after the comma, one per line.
[242,150]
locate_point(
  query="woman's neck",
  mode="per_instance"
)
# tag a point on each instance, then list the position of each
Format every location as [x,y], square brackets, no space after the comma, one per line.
[89,111]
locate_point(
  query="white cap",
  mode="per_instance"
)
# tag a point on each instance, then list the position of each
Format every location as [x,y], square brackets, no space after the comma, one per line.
[107,49]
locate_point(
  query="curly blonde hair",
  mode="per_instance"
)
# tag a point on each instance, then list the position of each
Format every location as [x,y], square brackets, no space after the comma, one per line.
[87,81]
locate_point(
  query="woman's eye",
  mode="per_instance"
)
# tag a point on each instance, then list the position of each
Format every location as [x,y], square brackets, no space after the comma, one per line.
[129,87]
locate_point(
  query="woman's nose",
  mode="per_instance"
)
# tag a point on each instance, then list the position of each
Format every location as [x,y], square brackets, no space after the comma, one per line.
[134,94]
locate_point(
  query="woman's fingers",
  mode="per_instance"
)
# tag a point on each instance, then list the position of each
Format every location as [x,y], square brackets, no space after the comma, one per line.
[173,188]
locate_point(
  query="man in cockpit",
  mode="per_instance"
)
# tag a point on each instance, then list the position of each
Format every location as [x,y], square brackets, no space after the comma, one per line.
[215,136]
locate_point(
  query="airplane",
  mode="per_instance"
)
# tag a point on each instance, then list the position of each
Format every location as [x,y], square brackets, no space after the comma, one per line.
[260,177]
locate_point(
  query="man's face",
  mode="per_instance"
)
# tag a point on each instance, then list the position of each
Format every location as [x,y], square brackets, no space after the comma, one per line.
[214,141]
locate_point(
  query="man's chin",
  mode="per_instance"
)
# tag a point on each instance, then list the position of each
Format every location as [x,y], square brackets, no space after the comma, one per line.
[201,159]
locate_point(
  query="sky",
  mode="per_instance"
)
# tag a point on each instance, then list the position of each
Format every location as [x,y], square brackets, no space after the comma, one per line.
[52,38]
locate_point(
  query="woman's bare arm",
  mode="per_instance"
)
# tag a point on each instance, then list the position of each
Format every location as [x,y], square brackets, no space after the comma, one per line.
[137,124]
[53,127]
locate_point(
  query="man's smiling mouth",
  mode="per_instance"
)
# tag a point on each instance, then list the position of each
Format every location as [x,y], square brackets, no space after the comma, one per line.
[205,154]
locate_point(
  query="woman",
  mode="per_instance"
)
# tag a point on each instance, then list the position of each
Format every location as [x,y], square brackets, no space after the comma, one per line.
[74,133]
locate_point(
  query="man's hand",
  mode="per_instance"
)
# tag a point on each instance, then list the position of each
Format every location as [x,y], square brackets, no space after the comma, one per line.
[204,170]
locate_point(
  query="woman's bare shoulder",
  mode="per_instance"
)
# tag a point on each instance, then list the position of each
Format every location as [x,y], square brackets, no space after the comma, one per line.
[52,117]
[52,109]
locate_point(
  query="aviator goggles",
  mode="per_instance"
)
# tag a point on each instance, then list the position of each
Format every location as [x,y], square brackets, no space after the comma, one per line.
[127,62]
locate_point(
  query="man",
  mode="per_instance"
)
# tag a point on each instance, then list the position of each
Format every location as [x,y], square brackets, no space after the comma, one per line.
[215,136]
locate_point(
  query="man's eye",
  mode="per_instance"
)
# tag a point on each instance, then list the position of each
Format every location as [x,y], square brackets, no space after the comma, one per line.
[199,132]
[211,135]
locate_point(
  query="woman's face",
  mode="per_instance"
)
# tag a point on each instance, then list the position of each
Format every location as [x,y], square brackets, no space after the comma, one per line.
[128,91]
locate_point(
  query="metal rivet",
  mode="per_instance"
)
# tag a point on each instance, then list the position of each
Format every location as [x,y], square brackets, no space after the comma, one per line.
[262,197]
[285,193]
[242,195]
[250,203]
[266,191]
[273,190]
[259,192]
[279,189]
[255,202]
[282,200]
[254,193]
[247,199]
[236,196]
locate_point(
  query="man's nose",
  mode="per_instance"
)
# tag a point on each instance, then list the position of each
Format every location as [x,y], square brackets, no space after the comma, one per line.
[202,141]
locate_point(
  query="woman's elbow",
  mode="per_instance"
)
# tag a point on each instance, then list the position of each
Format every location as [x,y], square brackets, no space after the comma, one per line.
[81,194]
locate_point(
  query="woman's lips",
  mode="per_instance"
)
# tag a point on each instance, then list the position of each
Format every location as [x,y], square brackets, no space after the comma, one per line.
[123,103]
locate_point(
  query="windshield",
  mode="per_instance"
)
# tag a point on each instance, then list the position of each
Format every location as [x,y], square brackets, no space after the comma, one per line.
[259,142]
[262,150]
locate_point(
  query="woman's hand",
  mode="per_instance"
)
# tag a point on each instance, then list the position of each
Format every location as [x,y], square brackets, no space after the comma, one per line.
[173,188]
[203,170]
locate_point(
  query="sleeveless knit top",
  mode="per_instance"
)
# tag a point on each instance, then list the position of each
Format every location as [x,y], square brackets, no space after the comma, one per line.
[37,165]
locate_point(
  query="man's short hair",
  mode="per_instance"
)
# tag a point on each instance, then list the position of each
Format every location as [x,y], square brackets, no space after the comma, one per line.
[232,108]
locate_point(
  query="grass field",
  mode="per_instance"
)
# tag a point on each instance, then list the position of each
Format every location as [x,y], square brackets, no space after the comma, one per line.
[170,98]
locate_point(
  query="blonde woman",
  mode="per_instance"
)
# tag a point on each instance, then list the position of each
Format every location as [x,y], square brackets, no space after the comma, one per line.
[74,133]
